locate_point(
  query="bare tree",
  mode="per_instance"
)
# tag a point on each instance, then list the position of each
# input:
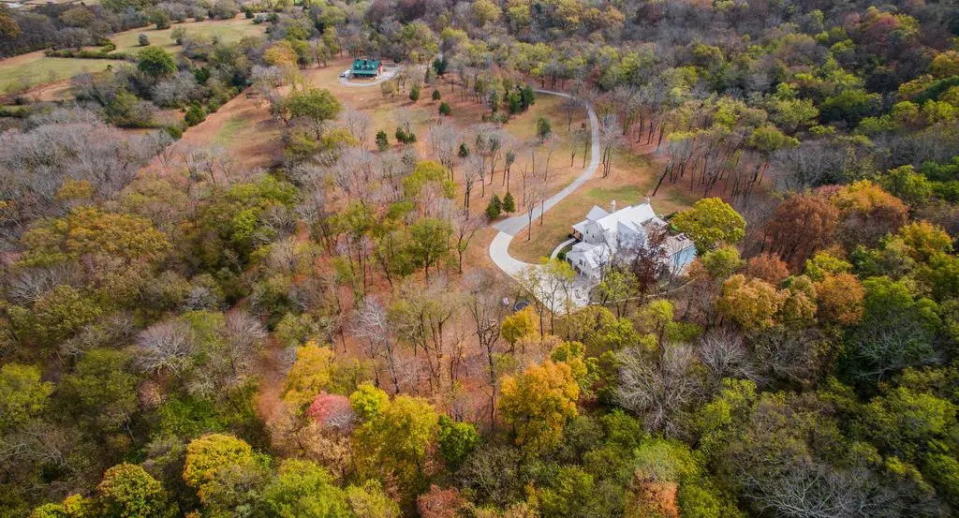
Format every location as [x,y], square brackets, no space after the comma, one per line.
[509,158]
[445,140]
[795,356]
[422,318]
[581,137]
[357,123]
[610,137]
[811,489]
[486,309]
[551,143]
[658,389]
[370,324]
[535,195]
[570,106]
[243,335]
[464,228]
[404,118]
[726,356]
[66,144]
[165,346]
[474,171]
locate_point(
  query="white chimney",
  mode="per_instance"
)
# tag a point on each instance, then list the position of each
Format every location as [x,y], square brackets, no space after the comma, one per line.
[612,206]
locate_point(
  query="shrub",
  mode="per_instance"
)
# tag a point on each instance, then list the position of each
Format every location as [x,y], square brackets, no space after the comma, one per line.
[175,132]
[405,137]
[382,141]
[160,18]
[144,40]
[195,114]
[445,109]
[436,95]
[178,34]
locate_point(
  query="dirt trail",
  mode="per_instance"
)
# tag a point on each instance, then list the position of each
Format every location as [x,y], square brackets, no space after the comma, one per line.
[272,371]
[272,364]
[230,130]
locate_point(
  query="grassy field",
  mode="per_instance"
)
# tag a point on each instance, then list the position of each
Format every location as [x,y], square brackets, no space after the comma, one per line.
[228,31]
[227,134]
[34,69]
[29,70]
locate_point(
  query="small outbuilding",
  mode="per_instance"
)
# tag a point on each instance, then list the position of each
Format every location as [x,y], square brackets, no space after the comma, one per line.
[368,68]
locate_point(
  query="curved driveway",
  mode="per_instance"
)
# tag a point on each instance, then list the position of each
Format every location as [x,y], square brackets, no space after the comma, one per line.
[510,227]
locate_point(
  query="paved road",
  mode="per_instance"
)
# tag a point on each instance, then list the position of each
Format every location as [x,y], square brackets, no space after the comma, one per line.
[510,227]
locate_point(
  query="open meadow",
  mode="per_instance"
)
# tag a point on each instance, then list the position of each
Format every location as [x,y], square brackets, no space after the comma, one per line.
[47,78]
[227,31]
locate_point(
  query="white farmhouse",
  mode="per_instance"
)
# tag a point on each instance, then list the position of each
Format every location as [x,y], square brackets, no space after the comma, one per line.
[603,236]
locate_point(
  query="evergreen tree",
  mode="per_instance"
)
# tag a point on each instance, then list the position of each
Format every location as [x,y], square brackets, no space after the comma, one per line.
[495,208]
[440,65]
[493,101]
[515,102]
[509,204]
[543,128]
[382,141]
[528,99]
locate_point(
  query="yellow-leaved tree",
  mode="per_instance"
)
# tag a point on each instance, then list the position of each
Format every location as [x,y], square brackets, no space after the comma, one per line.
[206,456]
[539,402]
[312,373]
[394,441]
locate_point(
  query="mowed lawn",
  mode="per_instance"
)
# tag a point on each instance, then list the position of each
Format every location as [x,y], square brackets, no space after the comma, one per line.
[33,69]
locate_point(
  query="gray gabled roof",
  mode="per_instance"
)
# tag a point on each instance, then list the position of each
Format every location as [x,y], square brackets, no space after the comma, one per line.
[596,212]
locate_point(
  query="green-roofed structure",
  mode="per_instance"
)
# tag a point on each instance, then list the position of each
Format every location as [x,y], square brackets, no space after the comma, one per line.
[366,67]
